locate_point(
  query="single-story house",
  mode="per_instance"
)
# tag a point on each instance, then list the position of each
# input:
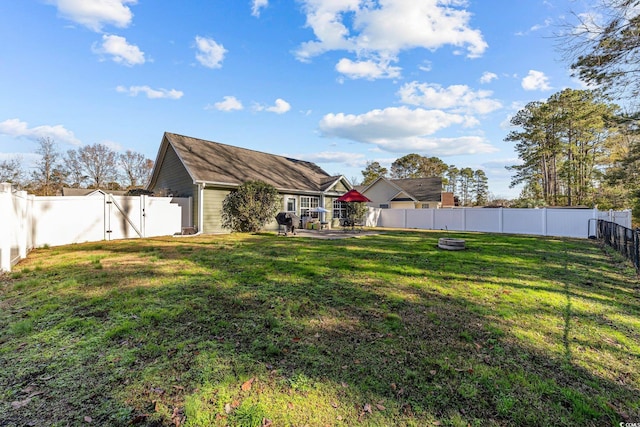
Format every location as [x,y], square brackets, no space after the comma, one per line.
[208,171]
[408,193]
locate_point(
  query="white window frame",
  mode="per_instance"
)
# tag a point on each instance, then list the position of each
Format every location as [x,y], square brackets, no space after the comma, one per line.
[293,201]
[339,209]
[307,203]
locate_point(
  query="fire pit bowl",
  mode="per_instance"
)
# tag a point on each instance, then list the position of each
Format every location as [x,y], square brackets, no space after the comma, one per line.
[451,244]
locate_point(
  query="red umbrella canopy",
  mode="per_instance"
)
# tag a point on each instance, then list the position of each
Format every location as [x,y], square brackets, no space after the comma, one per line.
[353,196]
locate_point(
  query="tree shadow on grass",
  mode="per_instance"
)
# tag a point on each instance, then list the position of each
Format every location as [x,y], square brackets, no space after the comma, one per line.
[322,333]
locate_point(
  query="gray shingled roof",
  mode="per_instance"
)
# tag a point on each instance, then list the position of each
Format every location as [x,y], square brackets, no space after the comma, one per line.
[212,162]
[421,189]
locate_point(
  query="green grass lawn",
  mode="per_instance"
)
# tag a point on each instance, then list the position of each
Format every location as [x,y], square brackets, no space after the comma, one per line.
[386,330]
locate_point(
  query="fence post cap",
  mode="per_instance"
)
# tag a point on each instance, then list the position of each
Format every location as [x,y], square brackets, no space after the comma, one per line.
[5,187]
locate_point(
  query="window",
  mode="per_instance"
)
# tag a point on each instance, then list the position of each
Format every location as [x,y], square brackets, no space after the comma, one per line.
[339,209]
[384,206]
[291,204]
[306,204]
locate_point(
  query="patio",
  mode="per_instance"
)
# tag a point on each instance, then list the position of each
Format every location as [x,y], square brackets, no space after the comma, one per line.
[331,234]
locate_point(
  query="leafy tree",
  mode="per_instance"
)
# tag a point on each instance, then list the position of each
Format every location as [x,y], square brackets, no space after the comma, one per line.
[408,166]
[622,174]
[250,207]
[137,169]
[417,166]
[481,187]
[562,146]
[433,167]
[11,172]
[466,186]
[607,53]
[451,176]
[373,171]
[356,211]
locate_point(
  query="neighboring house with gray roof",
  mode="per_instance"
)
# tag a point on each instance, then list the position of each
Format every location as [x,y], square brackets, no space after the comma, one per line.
[208,171]
[408,193]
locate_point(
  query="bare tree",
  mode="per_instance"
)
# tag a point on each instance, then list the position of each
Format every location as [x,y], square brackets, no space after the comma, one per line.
[74,170]
[11,172]
[47,178]
[97,162]
[604,47]
[137,168]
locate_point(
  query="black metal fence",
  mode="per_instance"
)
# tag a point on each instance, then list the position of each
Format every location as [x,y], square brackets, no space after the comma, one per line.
[624,240]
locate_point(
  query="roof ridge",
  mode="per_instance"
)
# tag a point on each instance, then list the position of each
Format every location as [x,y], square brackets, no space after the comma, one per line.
[235,147]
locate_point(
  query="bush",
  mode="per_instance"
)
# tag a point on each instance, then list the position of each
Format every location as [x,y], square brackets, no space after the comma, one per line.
[250,207]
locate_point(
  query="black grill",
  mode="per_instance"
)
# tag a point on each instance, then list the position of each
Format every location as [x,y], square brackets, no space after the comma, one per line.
[287,222]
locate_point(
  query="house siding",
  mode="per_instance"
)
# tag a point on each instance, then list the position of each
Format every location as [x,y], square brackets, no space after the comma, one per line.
[212,210]
[403,205]
[340,187]
[381,192]
[173,177]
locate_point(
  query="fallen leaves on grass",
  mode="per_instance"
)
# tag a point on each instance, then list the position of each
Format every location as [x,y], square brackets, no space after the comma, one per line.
[246,386]
[20,403]
[178,417]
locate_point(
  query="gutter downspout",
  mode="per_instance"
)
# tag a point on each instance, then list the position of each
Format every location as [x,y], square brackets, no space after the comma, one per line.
[201,207]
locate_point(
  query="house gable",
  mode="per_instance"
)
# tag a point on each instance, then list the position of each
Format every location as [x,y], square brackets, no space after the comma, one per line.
[404,193]
[382,192]
[170,176]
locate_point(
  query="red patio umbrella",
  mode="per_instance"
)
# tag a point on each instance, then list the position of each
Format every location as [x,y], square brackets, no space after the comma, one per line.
[353,196]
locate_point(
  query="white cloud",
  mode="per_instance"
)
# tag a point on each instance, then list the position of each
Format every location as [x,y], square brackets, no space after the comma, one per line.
[547,23]
[121,51]
[536,80]
[488,77]
[280,107]
[19,128]
[381,30]
[458,98]
[257,6]
[151,93]
[369,69]
[210,54]
[95,14]
[426,66]
[229,103]
[393,122]
[403,129]
[115,146]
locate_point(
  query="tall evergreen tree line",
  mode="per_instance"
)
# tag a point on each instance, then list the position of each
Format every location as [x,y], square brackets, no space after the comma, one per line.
[470,186]
[572,149]
[90,166]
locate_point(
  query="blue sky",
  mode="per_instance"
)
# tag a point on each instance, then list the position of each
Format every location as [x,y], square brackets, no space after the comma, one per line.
[336,82]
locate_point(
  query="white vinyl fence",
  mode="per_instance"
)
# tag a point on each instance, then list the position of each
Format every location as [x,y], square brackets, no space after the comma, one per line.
[567,222]
[28,221]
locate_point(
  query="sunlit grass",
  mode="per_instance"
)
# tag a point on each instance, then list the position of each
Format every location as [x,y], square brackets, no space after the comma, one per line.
[379,330]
